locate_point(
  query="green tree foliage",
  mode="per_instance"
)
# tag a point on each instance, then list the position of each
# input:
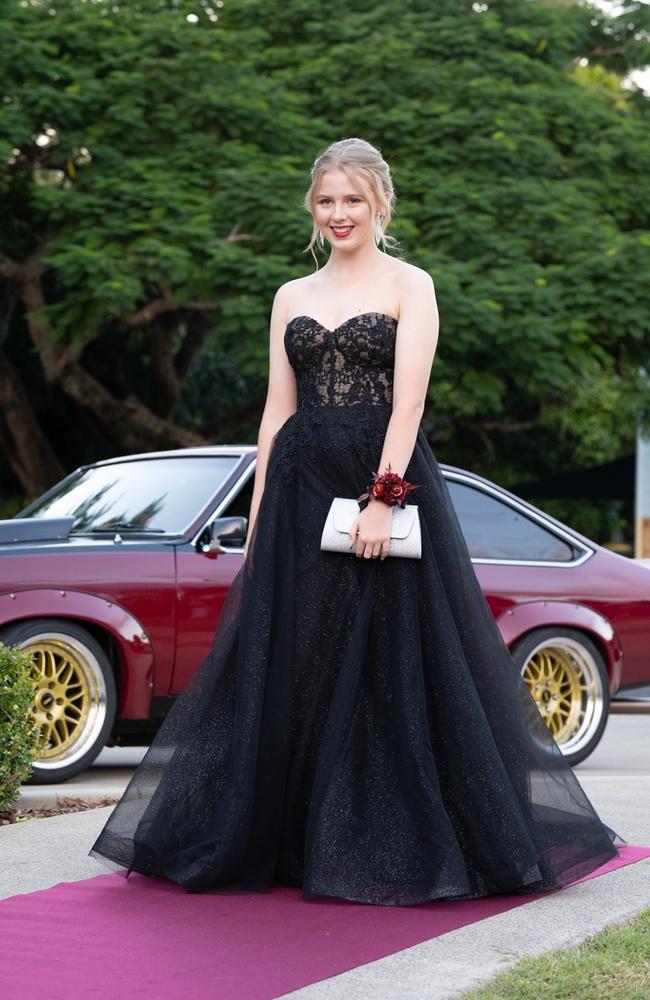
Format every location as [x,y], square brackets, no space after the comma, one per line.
[153,161]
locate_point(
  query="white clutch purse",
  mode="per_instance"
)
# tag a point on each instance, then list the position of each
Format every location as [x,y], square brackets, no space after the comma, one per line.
[405,536]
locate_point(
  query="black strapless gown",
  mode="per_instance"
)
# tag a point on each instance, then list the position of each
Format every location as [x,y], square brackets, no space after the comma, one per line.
[359,728]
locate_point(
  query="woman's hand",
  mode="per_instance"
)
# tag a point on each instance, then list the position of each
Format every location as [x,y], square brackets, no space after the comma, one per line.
[373,526]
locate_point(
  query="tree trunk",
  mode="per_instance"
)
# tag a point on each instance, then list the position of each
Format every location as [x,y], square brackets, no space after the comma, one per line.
[166,386]
[197,331]
[169,369]
[27,450]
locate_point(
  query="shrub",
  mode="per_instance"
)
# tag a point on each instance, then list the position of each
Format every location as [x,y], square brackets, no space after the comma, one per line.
[20,736]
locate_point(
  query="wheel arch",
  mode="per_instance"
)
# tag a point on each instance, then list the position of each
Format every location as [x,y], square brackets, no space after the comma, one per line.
[120,634]
[520,620]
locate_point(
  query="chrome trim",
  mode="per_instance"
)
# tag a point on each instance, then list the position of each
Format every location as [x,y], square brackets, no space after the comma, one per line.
[198,451]
[533,514]
[565,564]
[230,495]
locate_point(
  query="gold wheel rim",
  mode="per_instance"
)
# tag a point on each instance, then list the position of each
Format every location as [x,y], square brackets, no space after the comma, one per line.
[564,681]
[67,696]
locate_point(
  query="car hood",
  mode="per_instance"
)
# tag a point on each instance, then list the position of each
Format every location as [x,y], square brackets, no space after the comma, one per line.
[35,529]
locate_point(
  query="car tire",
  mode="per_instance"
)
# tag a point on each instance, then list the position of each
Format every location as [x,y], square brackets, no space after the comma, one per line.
[76,701]
[566,674]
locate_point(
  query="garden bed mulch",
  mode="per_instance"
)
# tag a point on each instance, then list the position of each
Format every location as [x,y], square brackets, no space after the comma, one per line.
[66,804]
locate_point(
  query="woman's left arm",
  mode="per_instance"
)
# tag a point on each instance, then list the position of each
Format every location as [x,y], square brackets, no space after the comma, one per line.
[417,338]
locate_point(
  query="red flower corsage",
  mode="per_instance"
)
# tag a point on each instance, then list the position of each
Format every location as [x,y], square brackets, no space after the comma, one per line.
[390,488]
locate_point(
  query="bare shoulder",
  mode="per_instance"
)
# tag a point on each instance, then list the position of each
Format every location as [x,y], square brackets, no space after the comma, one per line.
[288,293]
[415,292]
[290,287]
[413,278]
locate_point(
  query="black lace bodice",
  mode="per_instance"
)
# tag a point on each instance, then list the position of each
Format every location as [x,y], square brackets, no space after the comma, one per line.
[348,365]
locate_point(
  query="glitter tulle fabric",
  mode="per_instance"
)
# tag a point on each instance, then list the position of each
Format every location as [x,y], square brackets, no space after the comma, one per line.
[358,728]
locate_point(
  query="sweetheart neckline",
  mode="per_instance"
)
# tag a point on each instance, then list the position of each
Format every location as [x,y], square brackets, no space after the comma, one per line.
[344,323]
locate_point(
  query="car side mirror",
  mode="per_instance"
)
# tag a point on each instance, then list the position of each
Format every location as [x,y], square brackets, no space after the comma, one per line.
[224,534]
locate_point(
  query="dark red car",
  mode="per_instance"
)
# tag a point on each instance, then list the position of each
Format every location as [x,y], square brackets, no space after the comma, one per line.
[116,576]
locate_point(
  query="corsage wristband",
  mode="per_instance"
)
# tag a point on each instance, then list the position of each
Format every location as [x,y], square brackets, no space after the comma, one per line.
[388,487]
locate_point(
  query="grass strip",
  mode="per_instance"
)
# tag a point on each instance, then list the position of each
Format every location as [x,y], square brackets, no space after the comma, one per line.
[613,964]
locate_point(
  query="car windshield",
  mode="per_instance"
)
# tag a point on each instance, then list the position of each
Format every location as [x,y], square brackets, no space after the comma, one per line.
[152,495]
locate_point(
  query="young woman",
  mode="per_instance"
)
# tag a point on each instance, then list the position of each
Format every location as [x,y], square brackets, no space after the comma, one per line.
[359,728]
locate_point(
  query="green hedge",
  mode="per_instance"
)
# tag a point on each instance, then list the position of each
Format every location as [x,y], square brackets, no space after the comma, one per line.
[21,738]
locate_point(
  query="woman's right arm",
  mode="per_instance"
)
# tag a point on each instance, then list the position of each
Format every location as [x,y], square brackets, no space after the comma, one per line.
[281,399]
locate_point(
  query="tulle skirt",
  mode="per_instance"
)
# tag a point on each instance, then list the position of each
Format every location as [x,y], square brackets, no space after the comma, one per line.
[358,728]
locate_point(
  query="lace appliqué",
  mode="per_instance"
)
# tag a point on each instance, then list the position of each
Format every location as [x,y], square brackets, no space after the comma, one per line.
[351,364]
[345,389]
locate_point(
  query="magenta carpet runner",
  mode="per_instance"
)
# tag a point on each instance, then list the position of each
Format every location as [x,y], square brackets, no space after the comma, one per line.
[147,938]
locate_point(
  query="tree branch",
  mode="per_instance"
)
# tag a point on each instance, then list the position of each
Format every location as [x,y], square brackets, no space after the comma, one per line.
[510,426]
[127,422]
[166,304]
[235,236]
[599,51]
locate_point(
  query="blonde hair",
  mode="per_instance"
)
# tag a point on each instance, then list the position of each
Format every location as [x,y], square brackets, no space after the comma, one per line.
[355,156]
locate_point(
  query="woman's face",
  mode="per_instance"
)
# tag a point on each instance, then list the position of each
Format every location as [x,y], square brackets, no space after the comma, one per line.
[344,212]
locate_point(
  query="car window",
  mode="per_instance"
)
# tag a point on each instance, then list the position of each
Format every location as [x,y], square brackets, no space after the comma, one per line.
[162,494]
[240,505]
[495,530]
